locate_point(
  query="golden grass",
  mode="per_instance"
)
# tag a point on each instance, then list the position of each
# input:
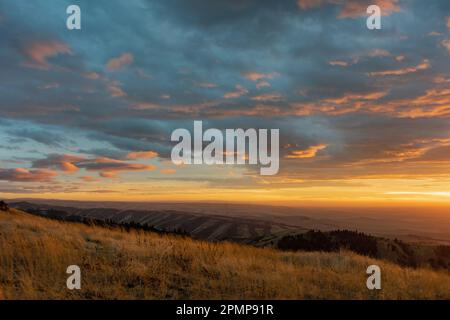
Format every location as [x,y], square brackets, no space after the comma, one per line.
[35,252]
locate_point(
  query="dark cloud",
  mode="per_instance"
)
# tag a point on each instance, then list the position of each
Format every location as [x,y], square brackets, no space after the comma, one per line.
[48,138]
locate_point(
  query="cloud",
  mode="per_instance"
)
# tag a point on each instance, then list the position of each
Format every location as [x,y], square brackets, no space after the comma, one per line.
[432,103]
[91,75]
[168,171]
[142,155]
[256,76]
[338,63]
[88,179]
[379,53]
[398,72]
[118,63]
[108,174]
[346,103]
[357,8]
[65,162]
[69,167]
[421,193]
[206,85]
[115,90]
[260,78]
[109,168]
[412,151]
[48,86]
[446,44]
[352,8]
[42,136]
[273,97]
[26,175]
[37,53]
[106,166]
[240,91]
[352,97]
[311,152]
[310,4]
[262,84]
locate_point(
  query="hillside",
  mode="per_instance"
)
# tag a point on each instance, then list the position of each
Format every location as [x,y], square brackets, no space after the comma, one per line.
[211,227]
[242,221]
[136,264]
[399,252]
[257,232]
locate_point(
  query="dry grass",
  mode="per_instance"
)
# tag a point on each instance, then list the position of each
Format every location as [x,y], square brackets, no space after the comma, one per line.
[35,252]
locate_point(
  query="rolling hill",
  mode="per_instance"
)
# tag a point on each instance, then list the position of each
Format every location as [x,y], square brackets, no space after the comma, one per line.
[137,264]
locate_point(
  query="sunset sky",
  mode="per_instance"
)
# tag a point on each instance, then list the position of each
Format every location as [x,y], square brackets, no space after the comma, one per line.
[364,115]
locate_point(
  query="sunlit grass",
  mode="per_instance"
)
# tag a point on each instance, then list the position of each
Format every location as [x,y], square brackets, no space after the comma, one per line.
[35,252]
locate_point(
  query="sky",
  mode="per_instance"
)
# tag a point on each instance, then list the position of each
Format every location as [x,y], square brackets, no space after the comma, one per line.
[364,115]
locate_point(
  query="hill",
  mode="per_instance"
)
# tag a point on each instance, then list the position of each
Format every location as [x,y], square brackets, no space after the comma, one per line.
[211,227]
[399,252]
[257,232]
[419,224]
[139,264]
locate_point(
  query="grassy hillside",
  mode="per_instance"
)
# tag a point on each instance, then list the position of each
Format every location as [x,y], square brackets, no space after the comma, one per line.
[35,252]
[399,252]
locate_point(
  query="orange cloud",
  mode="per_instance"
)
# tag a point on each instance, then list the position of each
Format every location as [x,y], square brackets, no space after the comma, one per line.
[309,4]
[118,63]
[115,90]
[350,102]
[268,97]
[352,8]
[88,179]
[26,175]
[433,103]
[114,169]
[311,152]
[256,76]
[69,167]
[414,150]
[441,79]
[109,175]
[240,91]
[66,163]
[142,155]
[355,97]
[146,106]
[260,78]
[37,53]
[109,168]
[168,171]
[397,72]
[357,8]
